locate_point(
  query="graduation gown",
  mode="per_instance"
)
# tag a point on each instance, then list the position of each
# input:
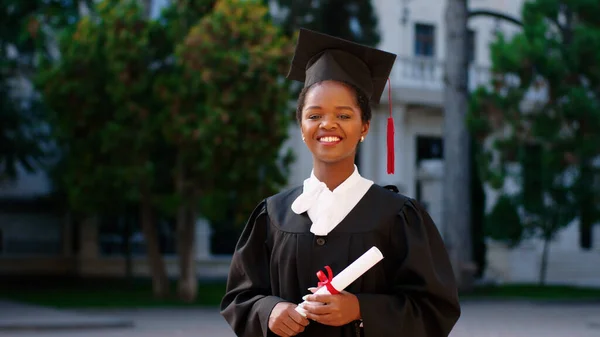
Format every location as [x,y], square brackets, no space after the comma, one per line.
[410,293]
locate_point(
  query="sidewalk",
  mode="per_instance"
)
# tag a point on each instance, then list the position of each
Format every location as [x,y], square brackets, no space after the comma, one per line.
[20,316]
[479,319]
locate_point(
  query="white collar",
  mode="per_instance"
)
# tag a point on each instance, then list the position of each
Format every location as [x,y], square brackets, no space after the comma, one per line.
[328,208]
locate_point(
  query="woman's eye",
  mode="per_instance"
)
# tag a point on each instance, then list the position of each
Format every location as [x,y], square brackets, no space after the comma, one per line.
[345,116]
[313,116]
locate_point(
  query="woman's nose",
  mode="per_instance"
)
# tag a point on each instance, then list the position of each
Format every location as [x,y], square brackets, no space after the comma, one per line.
[328,122]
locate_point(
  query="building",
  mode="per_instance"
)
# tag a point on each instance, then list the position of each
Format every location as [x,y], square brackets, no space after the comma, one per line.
[414,30]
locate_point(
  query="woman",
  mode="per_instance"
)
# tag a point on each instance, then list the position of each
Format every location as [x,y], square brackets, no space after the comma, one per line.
[334,218]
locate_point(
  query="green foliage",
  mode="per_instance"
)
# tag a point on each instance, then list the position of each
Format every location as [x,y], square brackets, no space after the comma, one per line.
[353,20]
[503,224]
[541,112]
[187,107]
[227,134]
[22,130]
[88,110]
[28,24]
[19,130]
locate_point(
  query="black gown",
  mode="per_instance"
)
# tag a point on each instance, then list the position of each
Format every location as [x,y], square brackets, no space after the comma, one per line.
[410,293]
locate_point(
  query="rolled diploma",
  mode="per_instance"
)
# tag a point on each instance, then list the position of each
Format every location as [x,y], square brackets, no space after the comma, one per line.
[355,270]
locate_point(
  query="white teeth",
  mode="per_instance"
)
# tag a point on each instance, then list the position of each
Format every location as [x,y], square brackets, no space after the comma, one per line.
[330,139]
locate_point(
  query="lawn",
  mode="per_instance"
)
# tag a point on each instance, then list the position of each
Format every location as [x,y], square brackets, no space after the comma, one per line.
[101,293]
[119,293]
[535,292]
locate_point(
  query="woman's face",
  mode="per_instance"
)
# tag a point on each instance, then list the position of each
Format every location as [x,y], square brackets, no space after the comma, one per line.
[331,122]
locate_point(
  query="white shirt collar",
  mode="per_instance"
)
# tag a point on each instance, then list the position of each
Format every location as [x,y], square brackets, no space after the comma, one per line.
[328,208]
[345,186]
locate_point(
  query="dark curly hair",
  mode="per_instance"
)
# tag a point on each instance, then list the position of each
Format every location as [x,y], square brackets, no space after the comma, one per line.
[362,101]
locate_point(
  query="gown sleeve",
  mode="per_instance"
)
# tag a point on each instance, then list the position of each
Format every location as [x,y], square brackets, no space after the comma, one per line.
[424,299]
[247,303]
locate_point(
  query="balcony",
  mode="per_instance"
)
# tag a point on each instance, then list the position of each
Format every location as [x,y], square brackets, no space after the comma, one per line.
[421,80]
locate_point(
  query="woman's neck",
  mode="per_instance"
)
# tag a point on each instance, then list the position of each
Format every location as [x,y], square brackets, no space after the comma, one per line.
[333,174]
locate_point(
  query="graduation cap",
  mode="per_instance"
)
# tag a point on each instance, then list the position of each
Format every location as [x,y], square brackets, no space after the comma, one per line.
[321,57]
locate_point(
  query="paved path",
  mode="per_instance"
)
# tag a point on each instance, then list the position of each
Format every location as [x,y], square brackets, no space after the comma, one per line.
[528,320]
[479,320]
[18,316]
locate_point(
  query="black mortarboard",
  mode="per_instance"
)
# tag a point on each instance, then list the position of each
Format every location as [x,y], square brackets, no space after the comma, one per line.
[321,57]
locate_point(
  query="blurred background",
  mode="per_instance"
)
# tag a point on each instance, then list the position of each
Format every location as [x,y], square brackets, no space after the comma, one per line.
[137,136]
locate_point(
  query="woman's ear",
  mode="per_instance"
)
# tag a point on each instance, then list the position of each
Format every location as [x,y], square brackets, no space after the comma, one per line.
[302,132]
[365,128]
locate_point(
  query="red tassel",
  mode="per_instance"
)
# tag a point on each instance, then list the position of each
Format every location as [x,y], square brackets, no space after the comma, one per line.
[390,146]
[390,134]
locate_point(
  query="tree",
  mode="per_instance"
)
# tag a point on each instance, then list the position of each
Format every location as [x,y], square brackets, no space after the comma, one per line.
[353,20]
[22,132]
[480,224]
[503,223]
[540,117]
[19,130]
[225,136]
[456,206]
[98,93]
[165,113]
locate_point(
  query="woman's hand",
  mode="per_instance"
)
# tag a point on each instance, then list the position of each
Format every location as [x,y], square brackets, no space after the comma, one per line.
[285,321]
[334,310]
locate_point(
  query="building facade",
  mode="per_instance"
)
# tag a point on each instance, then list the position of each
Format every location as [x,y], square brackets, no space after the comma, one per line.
[415,31]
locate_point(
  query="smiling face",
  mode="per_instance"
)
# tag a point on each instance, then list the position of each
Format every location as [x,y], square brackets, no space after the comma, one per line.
[332,122]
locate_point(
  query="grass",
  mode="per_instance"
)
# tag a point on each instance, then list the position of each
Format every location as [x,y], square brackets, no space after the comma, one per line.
[101,293]
[534,292]
[120,293]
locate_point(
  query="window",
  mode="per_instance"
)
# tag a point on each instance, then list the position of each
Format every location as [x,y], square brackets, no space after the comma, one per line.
[427,148]
[424,40]
[471,47]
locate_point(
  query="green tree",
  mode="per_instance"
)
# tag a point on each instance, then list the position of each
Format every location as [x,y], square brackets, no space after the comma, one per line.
[540,117]
[165,113]
[227,135]
[503,223]
[19,130]
[99,96]
[22,133]
[353,20]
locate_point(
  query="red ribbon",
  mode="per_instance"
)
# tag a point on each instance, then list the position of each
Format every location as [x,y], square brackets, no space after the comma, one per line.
[326,280]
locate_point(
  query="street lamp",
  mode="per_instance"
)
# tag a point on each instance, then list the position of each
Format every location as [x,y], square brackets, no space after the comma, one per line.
[405,14]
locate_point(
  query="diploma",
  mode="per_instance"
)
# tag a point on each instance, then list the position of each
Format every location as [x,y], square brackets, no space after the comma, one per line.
[355,270]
